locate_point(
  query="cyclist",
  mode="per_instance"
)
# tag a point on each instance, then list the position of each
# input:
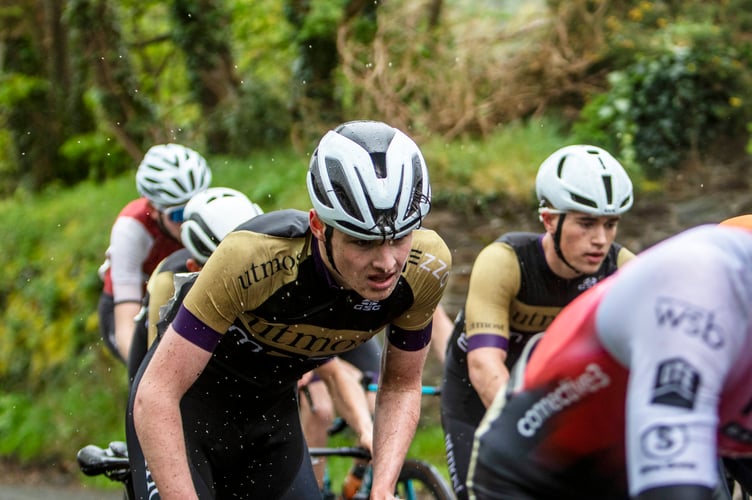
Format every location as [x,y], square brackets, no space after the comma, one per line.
[522,280]
[145,232]
[638,385]
[215,410]
[208,217]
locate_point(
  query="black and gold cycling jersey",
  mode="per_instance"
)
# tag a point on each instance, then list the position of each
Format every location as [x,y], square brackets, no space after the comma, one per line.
[161,287]
[265,291]
[518,293]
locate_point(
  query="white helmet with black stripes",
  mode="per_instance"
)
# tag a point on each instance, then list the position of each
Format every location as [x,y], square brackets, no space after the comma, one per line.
[170,174]
[585,179]
[369,180]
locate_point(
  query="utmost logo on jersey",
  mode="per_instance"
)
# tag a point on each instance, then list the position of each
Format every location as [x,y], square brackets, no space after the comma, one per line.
[676,383]
[367,305]
[737,432]
[526,318]
[567,393]
[288,338]
[258,272]
[430,263]
[690,320]
[664,441]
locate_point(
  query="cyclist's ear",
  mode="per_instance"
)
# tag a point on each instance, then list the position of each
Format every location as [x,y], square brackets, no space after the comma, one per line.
[318,228]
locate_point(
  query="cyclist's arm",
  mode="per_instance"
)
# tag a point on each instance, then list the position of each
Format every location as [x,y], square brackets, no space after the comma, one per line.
[175,366]
[442,330]
[487,370]
[129,245]
[681,338]
[397,413]
[494,281]
[125,323]
[349,399]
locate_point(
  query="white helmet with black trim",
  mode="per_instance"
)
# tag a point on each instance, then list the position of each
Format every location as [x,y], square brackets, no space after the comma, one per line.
[585,179]
[210,216]
[369,180]
[170,174]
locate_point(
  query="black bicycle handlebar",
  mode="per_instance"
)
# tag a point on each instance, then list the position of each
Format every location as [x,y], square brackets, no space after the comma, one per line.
[342,451]
[93,460]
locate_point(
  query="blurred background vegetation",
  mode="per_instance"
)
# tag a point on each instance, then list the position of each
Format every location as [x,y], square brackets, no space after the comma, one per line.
[488,87]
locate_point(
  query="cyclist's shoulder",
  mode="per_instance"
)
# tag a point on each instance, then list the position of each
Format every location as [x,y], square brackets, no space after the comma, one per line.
[517,239]
[511,249]
[287,223]
[429,241]
[138,209]
[175,262]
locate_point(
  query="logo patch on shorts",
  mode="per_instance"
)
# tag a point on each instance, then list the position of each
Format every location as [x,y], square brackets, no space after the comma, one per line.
[676,384]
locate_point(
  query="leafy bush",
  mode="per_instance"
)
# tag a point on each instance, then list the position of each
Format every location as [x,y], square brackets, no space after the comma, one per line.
[673,100]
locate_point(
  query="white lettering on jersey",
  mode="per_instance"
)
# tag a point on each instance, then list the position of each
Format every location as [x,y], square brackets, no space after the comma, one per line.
[367,305]
[567,393]
[690,320]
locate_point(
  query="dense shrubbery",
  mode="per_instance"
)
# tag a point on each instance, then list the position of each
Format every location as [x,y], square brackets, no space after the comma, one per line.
[674,100]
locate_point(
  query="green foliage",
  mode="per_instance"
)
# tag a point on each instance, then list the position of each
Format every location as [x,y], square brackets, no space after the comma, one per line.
[101,153]
[470,173]
[17,87]
[256,120]
[675,99]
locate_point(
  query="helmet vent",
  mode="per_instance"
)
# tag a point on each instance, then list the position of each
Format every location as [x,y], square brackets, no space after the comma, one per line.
[200,249]
[379,164]
[340,184]
[560,166]
[584,201]
[609,189]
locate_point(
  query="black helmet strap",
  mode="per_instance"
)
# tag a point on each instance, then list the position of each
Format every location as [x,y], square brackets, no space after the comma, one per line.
[557,245]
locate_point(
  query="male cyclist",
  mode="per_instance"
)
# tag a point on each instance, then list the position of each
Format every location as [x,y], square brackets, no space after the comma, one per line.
[208,217]
[146,231]
[522,280]
[638,385]
[216,412]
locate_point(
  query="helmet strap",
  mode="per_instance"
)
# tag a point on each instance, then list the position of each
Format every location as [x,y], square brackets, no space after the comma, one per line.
[557,241]
[328,232]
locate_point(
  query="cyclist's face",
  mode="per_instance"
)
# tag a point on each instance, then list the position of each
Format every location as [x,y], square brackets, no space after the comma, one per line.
[172,227]
[369,268]
[586,239]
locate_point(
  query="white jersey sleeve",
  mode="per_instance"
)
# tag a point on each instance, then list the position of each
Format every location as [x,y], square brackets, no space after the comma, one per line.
[130,243]
[679,321]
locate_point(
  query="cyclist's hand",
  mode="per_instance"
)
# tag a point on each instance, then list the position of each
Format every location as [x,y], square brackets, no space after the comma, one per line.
[365,440]
[305,379]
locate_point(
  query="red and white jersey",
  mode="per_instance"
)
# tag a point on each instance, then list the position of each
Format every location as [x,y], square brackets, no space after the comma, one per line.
[137,245]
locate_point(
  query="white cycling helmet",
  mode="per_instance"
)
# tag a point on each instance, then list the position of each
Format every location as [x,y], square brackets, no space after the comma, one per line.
[369,180]
[210,216]
[585,179]
[170,174]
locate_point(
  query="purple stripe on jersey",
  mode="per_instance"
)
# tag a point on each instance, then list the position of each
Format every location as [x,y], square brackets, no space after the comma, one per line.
[487,340]
[409,340]
[194,330]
